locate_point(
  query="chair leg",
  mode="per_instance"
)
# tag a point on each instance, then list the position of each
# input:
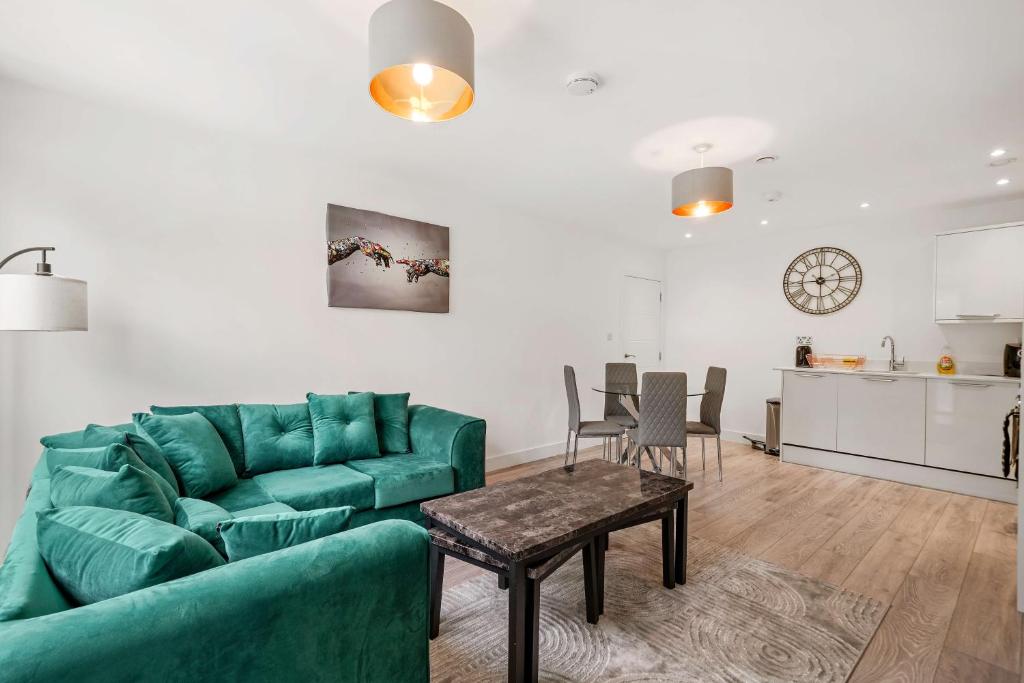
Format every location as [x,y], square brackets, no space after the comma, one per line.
[684,462]
[575,447]
[703,462]
[568,437]
[718,442]
[618,449]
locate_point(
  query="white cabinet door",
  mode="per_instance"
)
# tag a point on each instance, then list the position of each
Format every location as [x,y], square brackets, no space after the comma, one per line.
[965,424]
[882,417]
[978,275]
[809,410]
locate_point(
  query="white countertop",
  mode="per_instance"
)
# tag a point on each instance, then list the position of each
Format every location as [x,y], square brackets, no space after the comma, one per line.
[874,372]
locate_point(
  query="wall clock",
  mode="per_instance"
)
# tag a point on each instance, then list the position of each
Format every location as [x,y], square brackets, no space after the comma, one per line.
[822,280]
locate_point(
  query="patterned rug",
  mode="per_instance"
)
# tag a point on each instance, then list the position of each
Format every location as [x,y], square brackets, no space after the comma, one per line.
[736,619]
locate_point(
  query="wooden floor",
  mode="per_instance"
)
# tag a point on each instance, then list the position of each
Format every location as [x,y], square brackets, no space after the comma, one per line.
[943,562]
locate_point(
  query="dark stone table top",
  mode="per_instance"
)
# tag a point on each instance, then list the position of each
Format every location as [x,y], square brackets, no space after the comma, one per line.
[520,519]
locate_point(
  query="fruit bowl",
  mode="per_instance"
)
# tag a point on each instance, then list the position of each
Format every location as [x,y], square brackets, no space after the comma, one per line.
[836,361]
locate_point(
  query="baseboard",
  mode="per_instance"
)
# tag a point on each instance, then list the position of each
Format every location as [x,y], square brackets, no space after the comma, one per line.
[738,437]
[500,462]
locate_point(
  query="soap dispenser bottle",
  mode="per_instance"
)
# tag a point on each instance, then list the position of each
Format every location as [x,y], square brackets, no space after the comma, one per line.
[946,365]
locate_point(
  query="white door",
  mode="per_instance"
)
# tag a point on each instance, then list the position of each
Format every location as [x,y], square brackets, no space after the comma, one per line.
[641,323]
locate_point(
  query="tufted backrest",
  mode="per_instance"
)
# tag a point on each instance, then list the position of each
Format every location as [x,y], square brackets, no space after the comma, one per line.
[276,437]
[573,396]
[711,403]
[663,411]
[618,374]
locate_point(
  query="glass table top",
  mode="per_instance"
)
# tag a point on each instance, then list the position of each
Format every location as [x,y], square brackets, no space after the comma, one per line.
[630,390]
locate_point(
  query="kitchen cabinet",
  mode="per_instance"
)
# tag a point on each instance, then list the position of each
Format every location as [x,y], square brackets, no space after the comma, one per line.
[882,417]
[809,410]
[978,277]
[964,424]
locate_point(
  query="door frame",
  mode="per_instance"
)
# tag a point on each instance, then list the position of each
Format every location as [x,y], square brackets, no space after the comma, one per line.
[661,319]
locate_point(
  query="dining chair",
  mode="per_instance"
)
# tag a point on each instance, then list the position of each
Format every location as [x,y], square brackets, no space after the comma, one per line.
[619,374]
[662,422]
[593,429]
[710,424]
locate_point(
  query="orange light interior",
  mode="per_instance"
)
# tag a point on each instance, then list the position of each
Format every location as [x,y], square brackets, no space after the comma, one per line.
[702,208]
[446,96]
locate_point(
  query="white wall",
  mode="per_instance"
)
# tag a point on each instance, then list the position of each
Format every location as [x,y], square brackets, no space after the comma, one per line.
[725,304]
[204,255]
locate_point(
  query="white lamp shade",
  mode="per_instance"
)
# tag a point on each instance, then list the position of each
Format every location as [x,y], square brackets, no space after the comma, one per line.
[702,191]
[43,303]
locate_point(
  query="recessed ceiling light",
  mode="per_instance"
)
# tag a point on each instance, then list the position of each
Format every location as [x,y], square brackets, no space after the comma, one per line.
[764,222]
[1003,181]
[998,152]
[865,205]
[1002,161]
[687,235]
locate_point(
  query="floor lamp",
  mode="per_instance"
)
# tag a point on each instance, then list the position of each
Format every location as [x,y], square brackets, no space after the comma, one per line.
[42,301]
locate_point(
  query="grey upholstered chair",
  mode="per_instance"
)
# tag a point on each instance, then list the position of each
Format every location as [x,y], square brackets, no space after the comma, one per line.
[595,429]
[662,418]
[621,374]
[710,424]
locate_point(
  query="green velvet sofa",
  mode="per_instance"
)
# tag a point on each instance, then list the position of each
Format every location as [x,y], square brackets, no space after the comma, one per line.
[348,607]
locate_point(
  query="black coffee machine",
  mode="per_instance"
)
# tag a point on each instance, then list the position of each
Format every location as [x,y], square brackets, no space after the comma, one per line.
[803,350]
[1011,360]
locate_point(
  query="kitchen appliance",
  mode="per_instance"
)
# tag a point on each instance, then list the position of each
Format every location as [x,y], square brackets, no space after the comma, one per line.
[803,350]
[1011,360]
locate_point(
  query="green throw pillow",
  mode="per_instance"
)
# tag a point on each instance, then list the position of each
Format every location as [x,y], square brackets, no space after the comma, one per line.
[224,419]
[343,428]
[110,459]
[95,554]
[128,489]
[193,449]
[391,413]
[149,452]
[81,438]
[250,536]
[201,517]
[277,437]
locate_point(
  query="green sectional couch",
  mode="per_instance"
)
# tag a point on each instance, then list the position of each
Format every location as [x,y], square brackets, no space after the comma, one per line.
[351,606]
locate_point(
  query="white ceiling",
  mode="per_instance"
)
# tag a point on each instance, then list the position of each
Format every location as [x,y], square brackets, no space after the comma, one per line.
[895,103]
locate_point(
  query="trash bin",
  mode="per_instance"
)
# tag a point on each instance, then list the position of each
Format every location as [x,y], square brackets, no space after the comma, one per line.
[773,415]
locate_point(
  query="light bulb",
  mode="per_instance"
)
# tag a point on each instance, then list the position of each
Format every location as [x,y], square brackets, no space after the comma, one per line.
[702,209]
[764,222]
[419,115]
[422,74]
[997,152]
[1003,181]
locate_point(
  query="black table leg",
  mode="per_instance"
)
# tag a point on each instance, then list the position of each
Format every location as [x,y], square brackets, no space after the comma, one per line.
[532,629]
[517,642]
[590,588]
[602,548]
[503,582]
[436,583]
[667,551]
[681,541]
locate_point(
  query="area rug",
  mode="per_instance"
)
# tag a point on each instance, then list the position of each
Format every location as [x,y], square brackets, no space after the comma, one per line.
[736,619]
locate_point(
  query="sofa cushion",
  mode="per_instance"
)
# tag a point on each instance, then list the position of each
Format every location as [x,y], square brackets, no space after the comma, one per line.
[26,588]
[277,437]
[128,489]
[194,450]
[148,452]
[343,427]
[95,554]
[245,494]
[268,509]
[310,488]
[391,415]
[81,438]
[201,517]
[246,537]
[108,459]
[400,479]
[224,419]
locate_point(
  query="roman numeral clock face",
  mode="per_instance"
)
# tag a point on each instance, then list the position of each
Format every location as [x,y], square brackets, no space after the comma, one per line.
[822,280]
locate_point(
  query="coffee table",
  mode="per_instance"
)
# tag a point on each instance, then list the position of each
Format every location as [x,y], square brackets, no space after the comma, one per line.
[523,530]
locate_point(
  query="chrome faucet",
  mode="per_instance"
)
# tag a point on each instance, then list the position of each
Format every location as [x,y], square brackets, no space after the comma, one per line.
[893,363]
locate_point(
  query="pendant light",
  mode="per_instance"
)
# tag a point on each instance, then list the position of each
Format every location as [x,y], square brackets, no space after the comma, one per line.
[421,60]
[42,301]
[702,191]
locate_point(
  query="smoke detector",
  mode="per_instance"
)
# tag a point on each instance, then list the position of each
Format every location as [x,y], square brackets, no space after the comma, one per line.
[582,84]
[772,197]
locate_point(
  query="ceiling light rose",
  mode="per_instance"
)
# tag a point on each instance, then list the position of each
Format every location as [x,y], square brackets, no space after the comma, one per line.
[702,191]
[421,60]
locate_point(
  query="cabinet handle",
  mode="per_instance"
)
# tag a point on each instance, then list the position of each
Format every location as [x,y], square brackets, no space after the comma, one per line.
[980,385]
[878,379]
[808,374]
[977,315]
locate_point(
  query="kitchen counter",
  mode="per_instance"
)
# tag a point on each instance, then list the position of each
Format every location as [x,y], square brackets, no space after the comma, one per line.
[921,375]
